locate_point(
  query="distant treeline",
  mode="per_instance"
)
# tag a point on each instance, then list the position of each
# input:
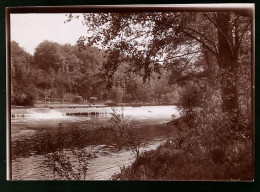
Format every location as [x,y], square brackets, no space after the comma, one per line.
[71,74]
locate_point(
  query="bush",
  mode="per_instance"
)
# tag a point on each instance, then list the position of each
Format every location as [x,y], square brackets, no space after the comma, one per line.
[206,149]
[69,166]
[110,103]
[23,99]
[190,102]
[78,99]
[125,132]
[182,158]
[69,97]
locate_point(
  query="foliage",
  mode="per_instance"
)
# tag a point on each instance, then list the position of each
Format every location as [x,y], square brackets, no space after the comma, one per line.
[176,160]
[213,72]
[78,99]
[22,88]
[120,130]
[149,39]
[191,99]
[110,103]
[208,146]
[56,71]
[125,132]
[48,55]
[22,99]
[69,166]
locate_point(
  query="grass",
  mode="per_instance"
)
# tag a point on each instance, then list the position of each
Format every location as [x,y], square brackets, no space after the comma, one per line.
[168,163]
[185,158]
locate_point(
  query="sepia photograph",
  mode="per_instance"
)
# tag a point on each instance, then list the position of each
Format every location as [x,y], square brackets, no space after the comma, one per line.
[131,92]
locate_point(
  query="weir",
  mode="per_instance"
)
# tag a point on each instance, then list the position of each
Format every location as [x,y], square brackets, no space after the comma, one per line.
[57,115]
[87,114]
[145,112]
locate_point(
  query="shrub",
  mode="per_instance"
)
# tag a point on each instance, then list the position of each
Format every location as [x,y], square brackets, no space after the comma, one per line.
[23,99]
[78,99]
[110,103]
[190,102]
[67,166]
[181,159]
[125,131]
[68,97]
[206,149]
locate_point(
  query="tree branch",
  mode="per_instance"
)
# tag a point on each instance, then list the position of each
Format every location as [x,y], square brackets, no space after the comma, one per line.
[203,36]
[230,45]
[177,56]
[199,40]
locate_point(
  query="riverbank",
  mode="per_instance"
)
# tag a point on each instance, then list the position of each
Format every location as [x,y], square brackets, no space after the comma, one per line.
[183,157]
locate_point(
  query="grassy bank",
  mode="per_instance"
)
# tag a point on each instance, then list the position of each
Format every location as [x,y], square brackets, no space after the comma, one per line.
[184,157]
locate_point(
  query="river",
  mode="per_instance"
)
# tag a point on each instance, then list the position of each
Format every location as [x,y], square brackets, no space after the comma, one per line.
[42,131]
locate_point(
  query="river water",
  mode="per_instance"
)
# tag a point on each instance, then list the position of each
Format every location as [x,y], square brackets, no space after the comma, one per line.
[43,131]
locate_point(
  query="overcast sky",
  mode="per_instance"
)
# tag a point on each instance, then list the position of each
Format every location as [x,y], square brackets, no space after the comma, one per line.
[31,29]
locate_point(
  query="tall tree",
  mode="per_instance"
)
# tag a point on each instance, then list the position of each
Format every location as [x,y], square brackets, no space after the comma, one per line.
[22,88]
[224,43]
[48,55]
[149,38]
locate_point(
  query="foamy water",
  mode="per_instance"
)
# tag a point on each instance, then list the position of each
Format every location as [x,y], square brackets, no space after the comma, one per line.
[155,112]
[49,114]
[144,112]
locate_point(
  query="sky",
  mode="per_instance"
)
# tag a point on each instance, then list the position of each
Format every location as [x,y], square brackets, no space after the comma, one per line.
[29,30]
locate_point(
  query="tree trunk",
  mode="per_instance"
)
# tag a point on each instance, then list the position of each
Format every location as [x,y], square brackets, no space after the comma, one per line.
[227,66]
